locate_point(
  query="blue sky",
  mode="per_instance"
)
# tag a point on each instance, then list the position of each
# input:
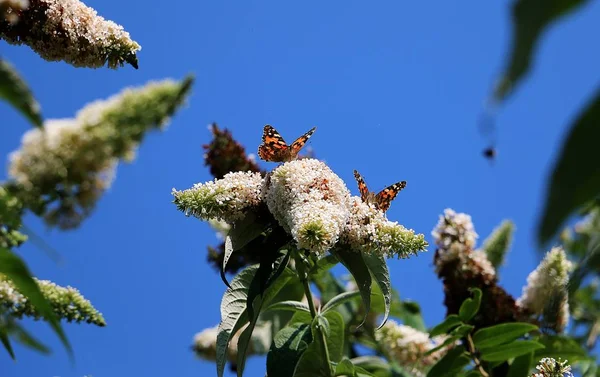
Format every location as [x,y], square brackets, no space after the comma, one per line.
[395,89]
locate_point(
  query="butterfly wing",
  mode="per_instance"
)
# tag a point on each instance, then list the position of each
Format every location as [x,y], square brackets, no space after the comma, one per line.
[299,142]
[385,197]
[362,187]
[273,147]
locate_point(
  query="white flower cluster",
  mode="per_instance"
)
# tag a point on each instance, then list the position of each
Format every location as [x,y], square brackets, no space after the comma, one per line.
[453,228]
[455,237]
[309,201]
[549,367]
[66,302]
[368,230]
[408,346]
[9,10]
[70,31]
[79,155]
[205,343]
[227,199]
[546,290]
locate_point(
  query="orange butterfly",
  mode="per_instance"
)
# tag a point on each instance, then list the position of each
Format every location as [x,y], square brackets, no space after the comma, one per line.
[275,149]
[382,200]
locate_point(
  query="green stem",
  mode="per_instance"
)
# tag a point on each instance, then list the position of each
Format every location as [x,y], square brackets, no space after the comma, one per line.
[313,312]
[478,365]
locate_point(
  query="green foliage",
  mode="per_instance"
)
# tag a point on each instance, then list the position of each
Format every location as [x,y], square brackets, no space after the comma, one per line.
[470,306]
[355,263]
[521,366]
[15,269]
[574,180]
[452,363]
[530,19]
[15,91]
[500,334]
[510,350]
[496,246]
[288,345]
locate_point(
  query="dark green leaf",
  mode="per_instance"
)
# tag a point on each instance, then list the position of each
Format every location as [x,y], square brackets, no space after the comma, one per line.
[379,269]
[6,342]
[293,306]
[500,334]
[470,306]
[462,331]
[447,324]
[312,363]
[270,268]
[14,90]
[521,366]
[449,340]
[345,368]
[241,233]
[22,336]
[336,336]
[575,179]
[270,292]
[15,269]
[510,350]
[473,373]
[561,347]
[338,300]
[324,264]
[451,364]
[372,364]
[497,244]
[288,345]
[233,313]
[355,263]
[530,19]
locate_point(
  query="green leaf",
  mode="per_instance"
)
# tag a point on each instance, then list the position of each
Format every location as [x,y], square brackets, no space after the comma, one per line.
[510,350]
[462,331]
[372,364]
[336,336]
[270,268]
[379,269]
[530,19]
[292,306]
[311,363]
[15,91]
[497,244]
[500,334]
[521,366]
[447,324]
[338,300]
[470,306]
[233,313]
[562,347]
[270,292]
[575,179]
[451,364]
[15,269]
[286,349]
[241,233]
[324,264]
[355,263]
[345,368]
[6,342]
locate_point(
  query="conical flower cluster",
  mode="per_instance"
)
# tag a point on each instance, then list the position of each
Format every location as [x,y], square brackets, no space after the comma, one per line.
[549,367]
[67,30]
[408,347]
[546,291]
[67,303]
[455,238]
[72,161]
